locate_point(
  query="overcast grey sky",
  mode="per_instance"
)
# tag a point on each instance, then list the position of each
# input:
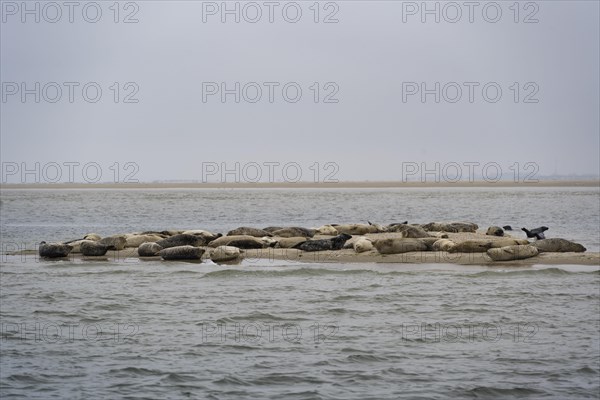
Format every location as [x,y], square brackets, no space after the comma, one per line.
[374,61]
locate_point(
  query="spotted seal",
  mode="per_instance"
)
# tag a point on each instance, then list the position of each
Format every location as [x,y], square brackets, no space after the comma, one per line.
[181,239]
[54,250]
[245,230]
[182,253]
[149,249]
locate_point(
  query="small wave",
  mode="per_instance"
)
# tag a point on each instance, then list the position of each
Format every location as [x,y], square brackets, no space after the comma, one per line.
[360,358]
[130,371]
[525,272]
[174,377]
[27,378]
[297,272]
[230,380]
[486,391]
[286,379]
[184,272]
[588,370]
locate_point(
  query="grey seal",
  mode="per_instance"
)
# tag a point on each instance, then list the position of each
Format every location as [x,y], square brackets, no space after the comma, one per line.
[399,245]
[54,250]
[245,230]
[92,248]
[558,245]
[149,249]
[294,231]
[182,253]
[181,239]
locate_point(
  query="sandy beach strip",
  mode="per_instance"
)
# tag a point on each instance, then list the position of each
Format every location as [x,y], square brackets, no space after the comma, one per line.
[273,255]
[305,185]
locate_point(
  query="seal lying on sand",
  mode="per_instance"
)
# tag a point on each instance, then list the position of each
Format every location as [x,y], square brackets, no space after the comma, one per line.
[240,241]
[92,248]
[537,233]
[398,246]
[327,230]
[288,243]
[116,242]
[182,253]
[244,230]
[133,240]
[362,244]
[225,253]
[181,239]
[453,227]
[335,243]
[558,245]
[206,235]
[294,231]
[149,249]
[509,253]
[54,250]
[471,246]
[495,231]
[443,245]
[355,229]
[410,231]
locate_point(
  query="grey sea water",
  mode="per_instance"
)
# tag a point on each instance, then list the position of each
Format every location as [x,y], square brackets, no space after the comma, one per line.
[125,328]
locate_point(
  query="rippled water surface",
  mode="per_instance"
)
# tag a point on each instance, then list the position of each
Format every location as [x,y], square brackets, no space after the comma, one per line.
[270,329]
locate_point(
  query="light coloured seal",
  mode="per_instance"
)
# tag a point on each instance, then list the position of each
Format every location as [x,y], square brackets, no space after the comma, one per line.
[76,245]
[355,229]
[240,241]
[327,230]
[288,243]
[362,244]
[225,253]
[471,246]
[133,240]
[54,250]
[443,245]
[495,231]
[149,249]
[115,242]
[92,236]
[508,242]
[182,253]
[206,235]
[398,246]
[509,253]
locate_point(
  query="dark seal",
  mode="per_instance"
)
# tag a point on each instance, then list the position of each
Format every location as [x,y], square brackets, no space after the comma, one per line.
[54,250]
[537,233]
[335,243]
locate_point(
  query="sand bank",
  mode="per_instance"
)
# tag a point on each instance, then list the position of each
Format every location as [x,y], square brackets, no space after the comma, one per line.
[350,256]
[304,185]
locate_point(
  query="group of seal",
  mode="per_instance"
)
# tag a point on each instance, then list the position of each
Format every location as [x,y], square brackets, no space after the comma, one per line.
[433,236]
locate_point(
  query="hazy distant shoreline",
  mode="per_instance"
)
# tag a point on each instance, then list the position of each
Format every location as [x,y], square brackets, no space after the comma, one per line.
[301,185]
